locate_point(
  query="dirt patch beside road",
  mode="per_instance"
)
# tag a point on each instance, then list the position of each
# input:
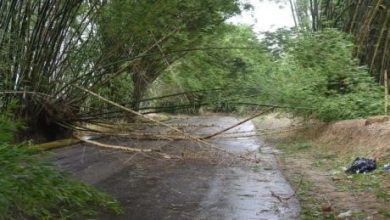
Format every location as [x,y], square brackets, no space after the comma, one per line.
[312,158]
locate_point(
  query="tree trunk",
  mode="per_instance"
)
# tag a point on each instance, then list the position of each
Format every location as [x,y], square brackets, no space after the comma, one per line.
[293,13]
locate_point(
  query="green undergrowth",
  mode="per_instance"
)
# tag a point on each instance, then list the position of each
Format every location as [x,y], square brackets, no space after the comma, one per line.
[306,190]
[34,189]
[309,201]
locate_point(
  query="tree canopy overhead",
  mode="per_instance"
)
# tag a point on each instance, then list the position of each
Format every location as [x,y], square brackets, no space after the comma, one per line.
[47,46]
[164,29]
[128,50]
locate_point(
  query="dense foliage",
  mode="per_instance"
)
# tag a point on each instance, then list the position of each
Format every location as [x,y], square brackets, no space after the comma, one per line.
[367,21]
[93,44]
[160,35]
[33,189]
[225,71]
[8,126]
[312,74]
[318,75]
[126,50]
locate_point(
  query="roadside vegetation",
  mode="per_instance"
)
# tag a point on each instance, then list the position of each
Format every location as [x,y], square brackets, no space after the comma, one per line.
[34,189]
[170,56]
[314,164]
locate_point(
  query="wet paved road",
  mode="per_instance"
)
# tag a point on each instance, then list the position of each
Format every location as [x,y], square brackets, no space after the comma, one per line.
[151,188]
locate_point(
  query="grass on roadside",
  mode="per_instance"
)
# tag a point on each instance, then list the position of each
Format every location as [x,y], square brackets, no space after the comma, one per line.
[305,188]
[34,189]
[310,203]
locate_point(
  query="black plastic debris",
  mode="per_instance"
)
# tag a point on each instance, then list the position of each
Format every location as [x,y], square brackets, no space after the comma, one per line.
[361,165]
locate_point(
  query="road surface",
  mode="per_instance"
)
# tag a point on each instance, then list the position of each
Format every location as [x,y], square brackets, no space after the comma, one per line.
[152,187]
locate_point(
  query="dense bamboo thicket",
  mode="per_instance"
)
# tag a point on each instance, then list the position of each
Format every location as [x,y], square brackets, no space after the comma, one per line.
[368,21]
[39,42]
[128,51]
[118,48]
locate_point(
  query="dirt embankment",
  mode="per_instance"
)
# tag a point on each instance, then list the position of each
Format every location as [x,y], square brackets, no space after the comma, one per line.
[369,137]
[313,154]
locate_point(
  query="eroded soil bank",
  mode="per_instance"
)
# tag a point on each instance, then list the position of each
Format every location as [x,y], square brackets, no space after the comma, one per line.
[194,183]
[312,156]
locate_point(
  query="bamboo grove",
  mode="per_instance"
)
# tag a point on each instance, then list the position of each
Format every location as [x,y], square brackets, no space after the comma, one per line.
[168,55]
[47,47]
[368,21]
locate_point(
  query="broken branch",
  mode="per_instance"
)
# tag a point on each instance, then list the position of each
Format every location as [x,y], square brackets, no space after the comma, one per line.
[235,125]
[115,147]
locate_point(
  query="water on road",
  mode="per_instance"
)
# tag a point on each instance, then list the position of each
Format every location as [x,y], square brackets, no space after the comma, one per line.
[158,188]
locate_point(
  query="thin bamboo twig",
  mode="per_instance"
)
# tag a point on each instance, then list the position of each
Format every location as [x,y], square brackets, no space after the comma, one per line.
[235,125]
[283,199]
[115,147]
[366,27]
[378,43]
[354,17]
[26,92]
[386,90]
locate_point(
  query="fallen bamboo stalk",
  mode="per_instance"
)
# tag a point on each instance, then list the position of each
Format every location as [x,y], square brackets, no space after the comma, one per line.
[173,137]
[235,125]
[115,147]
[148,136]
[56,144]
[26,93]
